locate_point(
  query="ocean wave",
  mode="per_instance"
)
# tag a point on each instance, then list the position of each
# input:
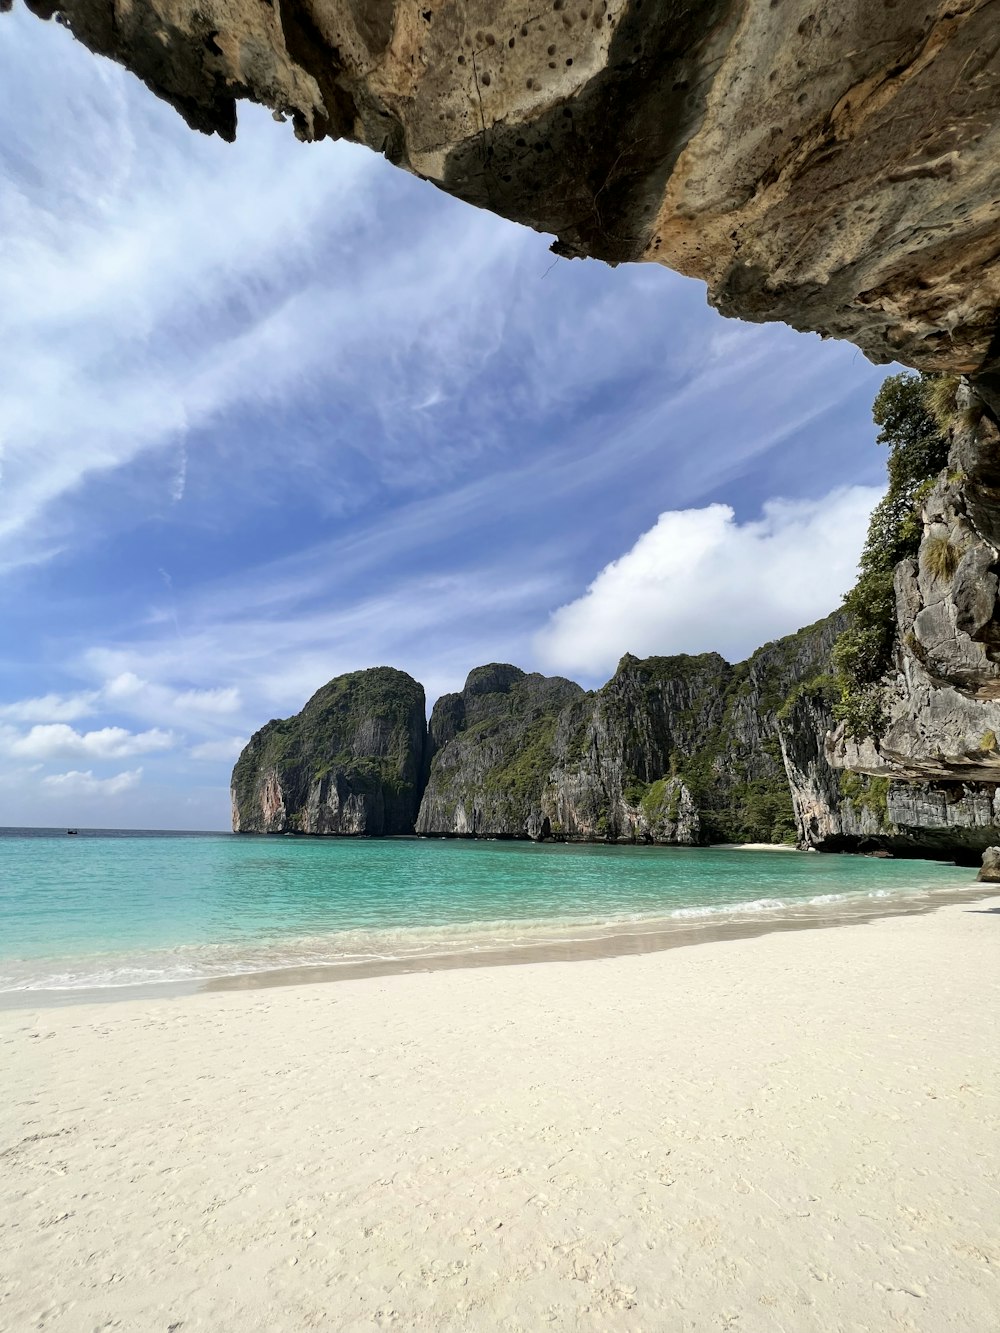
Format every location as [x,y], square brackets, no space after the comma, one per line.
[405,945]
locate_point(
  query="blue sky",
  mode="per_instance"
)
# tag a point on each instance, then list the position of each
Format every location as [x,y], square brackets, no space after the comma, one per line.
[272,411]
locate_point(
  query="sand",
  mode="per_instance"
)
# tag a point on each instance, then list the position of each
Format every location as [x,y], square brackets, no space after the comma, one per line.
[793,1132]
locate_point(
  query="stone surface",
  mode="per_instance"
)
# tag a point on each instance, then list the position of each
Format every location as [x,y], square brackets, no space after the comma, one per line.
[836,167]
[677,750]
[834,811]
[942,699]
[673,750]
[351,762]
[492,751]
[990,872]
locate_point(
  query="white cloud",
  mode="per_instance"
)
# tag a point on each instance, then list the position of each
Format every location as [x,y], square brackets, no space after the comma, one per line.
[52,707]
[128,690]
[226,749]
[222,700]
[58,740]
[76,783]
[699,580]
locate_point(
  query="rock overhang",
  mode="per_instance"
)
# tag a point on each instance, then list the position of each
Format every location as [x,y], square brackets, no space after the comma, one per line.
[834,167]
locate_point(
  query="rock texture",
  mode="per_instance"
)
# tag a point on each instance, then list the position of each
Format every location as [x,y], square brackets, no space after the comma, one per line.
[681,750]
[350,763]
[836,167]
[942,701]
[676,750]
[834,810]
[492,750]
[990,872]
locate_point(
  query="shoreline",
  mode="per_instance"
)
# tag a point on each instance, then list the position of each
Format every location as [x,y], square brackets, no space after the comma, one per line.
[799,1130]
[588,942]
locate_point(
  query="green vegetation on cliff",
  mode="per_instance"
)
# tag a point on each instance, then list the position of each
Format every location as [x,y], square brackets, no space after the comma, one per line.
[350,761]
[910,410]
[740,780]
[494,746]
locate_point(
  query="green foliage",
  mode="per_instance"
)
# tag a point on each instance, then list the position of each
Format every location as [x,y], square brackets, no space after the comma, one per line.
[635,791]
[918,450]
[823,688]
[941,557]
[662,801]
[866,793]
[524,774]
[939,397]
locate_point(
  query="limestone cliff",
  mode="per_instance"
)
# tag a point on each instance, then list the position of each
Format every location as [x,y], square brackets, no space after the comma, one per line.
[681,750]
[942,698]
[491,748]
[836,167]
[350,762]
[615,775]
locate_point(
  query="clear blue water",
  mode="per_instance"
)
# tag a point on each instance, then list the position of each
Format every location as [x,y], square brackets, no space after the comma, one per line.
[108,909]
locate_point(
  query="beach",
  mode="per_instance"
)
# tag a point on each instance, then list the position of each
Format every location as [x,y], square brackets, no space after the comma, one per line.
[796,1131]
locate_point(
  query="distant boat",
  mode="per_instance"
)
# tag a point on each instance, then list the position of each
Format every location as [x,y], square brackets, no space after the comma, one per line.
[71,833]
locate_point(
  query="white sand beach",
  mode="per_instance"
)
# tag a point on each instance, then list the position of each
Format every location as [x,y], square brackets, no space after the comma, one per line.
[792,1132]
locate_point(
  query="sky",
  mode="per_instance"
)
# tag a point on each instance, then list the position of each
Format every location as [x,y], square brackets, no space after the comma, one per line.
[270,412]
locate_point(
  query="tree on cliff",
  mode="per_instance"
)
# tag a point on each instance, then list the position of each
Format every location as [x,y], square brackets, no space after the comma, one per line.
[918,450]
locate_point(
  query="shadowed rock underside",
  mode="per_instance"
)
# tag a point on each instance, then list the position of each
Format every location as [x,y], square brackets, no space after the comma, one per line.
[836,167]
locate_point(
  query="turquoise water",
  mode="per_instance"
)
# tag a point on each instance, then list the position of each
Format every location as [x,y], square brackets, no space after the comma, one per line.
[123,910]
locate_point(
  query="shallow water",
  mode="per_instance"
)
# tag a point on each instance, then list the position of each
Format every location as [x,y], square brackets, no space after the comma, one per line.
[107,909]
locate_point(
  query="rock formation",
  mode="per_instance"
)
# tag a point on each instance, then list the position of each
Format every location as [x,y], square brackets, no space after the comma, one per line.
[836,167]
[350,762]
[682,750]
[491,749]
[942,700]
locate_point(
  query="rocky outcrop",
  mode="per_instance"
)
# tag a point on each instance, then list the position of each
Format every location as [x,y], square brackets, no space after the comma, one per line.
[833,810]
[677,750]
[838,810]
[942,700]
[351,762]
[833,167]
[491,748]
[682,750]
[990,872]
[616,775]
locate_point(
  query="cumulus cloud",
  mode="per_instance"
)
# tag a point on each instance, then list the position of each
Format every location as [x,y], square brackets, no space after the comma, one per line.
[59,740]
[226,749]
[699,580]
[76,783]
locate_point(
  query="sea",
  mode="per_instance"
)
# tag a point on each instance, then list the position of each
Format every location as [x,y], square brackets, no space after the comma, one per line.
[108,913]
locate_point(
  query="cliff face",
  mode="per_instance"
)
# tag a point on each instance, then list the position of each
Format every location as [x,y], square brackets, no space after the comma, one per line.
[614,777]
[350,762]
[942,700]
[834,167]
[491,748]
[680,750]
